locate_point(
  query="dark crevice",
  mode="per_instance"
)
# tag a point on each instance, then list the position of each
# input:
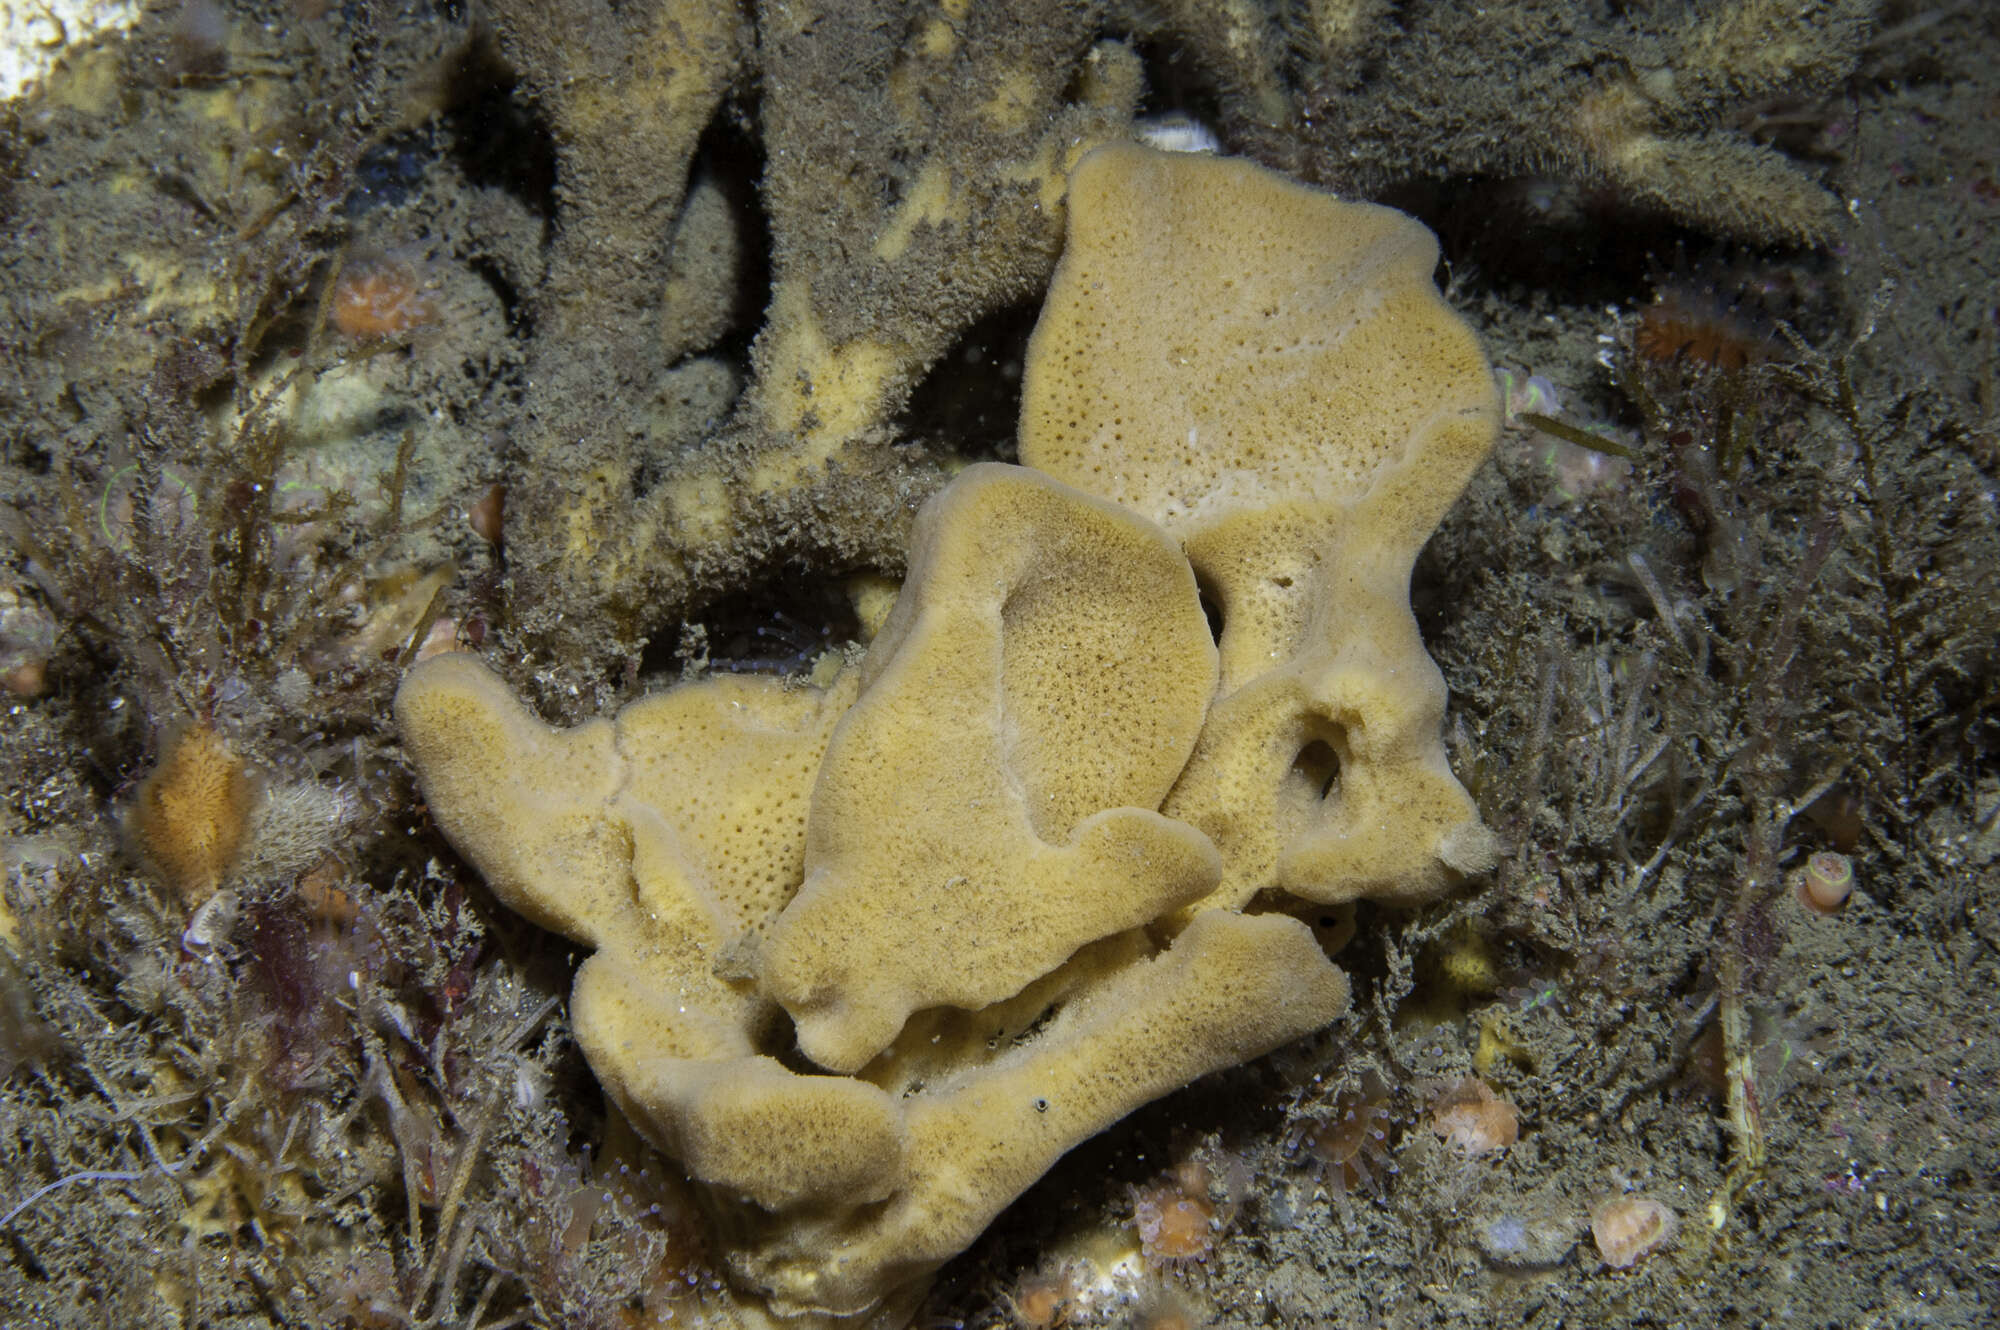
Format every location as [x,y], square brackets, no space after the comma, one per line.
[495,135]
[520,319]
[970,402]
[1318,765]
[779,627]
[1176,81]
[730,157]
[1211,609]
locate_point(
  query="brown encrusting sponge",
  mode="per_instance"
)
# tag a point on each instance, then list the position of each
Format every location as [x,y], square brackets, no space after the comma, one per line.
[995,873]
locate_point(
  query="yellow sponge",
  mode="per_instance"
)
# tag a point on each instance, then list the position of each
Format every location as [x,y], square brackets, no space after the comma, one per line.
[1028,703]
[1269,373]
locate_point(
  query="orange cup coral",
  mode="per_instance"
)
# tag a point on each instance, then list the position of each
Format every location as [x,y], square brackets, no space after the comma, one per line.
[1176,1229]
[1473,1120]
[1349,1150]
[379,297]
[1628,1228]
[1826,882]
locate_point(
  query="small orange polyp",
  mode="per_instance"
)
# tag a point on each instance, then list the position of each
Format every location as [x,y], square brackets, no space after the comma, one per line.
[380,298]
[1473,1120]
[1826,882]
[1629,1228]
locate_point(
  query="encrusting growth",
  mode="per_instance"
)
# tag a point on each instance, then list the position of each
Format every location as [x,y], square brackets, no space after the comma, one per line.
[1648,101]
[923,167]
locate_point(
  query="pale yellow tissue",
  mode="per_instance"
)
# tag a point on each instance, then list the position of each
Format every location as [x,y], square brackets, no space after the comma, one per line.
[929,201]
[823,393]
[872,951]
[1299,406]
[1014,102]
[1027,705]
